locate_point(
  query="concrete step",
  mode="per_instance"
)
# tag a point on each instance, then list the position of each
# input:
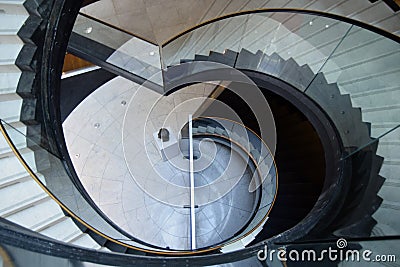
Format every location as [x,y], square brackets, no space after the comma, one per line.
[65,230]
[9,82]
[7,181]
[391,169]
[210,129]
[382,113]
[9,162]
[20,196]
[388,215]
[389,149]
[343,70]
[10,107]
[9,52]
[13,7]
[219,131]
[374,14]
[249,238]
[7,65]
[84,240]
[10,25]
[18,136]
[383,79]
[201,129]
[378,129]
[38,217]
[376,97]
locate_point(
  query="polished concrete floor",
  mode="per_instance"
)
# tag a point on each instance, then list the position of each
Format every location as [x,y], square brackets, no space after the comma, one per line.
[122,169]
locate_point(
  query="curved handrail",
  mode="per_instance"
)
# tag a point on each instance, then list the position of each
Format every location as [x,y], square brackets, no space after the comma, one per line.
[361,24]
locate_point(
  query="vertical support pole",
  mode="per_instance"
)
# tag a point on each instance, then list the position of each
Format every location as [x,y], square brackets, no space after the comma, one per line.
[191,173]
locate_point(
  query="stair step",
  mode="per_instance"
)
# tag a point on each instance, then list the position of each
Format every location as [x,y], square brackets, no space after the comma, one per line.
[201,129]
[84,240]
[9,52]
[9,162]
[219,131]
[210,129]
[7,181]
[9,82]
[200,58]
[185,60]
[248,60]
[65,230]
[358,84]
[227,58]
[390,193]
[18,136]
[388,216]
[10,107]
[38,217]
[390,113]
[375,97]
[8,66]
[13,7]
[20,196]
[10,23]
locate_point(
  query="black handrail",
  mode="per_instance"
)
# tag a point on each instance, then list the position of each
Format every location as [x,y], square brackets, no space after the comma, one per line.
[358,23]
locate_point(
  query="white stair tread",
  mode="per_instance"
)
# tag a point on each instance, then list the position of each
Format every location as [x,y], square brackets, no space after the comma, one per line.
[12,167]
[86,241]
[10,24]
[13,180]
[17,135]
[15,7]
[389,217]
[38,216]
[219,130]
[201,129]
[210,129]
[9,52]
[65,230]
[232,247]
[19,196]
[9,97]
[9,82]
[10,107]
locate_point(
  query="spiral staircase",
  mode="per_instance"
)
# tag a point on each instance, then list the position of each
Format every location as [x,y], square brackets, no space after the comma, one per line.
[361,103]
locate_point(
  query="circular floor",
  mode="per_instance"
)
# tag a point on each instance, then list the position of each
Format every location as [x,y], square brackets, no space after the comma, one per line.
[97,146]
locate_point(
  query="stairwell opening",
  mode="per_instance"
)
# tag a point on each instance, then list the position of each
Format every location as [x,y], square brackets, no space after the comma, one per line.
[299,157]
